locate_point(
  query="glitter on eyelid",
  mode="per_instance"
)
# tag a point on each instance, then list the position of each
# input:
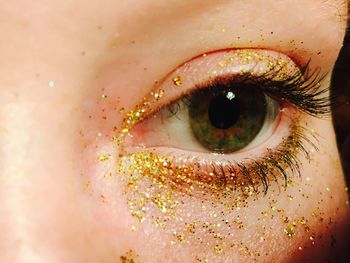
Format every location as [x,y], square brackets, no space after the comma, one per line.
[177,81]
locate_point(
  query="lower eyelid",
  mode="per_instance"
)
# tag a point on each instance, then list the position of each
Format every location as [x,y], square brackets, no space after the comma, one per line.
[191,172]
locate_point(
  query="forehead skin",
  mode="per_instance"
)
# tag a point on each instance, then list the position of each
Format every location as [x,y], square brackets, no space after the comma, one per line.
[90,47]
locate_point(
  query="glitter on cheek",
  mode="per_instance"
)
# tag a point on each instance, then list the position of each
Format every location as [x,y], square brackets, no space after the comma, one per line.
[129,257]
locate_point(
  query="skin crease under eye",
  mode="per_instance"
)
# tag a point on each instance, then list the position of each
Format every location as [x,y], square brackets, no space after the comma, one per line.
[57,200]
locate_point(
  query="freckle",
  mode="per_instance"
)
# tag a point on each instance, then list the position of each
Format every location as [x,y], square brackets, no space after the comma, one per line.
[83,53]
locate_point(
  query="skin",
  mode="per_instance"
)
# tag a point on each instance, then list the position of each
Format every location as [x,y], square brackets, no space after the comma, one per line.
[55,203]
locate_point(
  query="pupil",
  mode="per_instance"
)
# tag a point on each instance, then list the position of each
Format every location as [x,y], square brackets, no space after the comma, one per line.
[224,111]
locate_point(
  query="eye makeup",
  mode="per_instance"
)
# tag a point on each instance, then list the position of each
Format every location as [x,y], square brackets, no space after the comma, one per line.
[280,80]
[160,179]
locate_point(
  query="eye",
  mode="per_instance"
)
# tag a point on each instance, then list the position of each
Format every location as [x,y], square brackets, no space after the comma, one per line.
[221,118]
[224,123]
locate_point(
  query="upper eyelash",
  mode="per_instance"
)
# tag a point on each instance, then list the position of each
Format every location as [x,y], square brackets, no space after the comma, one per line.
[301,89]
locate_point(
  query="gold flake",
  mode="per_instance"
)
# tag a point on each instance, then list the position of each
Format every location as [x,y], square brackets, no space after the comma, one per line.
[177,81]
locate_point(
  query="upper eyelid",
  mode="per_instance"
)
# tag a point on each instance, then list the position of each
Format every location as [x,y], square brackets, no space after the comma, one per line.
[167,91]
[290,73]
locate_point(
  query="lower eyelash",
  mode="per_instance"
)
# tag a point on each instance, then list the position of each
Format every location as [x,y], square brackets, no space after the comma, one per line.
[220,179]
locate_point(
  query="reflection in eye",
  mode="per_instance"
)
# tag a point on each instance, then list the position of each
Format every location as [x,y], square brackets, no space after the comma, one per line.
[233,128]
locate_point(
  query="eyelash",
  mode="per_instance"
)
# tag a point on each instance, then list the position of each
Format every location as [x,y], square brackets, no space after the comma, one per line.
[227,177]
[300,91]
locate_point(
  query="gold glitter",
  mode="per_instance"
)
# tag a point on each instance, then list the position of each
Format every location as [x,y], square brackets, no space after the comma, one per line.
[290,197]
[218,249]
[289,231]
[177,81]
[104,157]
[87,184]
[104,96]
[129,257]
[222,64]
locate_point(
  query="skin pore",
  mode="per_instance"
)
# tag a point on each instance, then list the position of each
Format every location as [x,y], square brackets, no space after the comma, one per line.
[71,70]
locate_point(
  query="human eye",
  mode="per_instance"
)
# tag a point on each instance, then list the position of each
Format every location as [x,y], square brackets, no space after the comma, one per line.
[216,136]
[226,123]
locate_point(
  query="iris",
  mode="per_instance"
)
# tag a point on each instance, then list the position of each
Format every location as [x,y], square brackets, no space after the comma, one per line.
[226,119]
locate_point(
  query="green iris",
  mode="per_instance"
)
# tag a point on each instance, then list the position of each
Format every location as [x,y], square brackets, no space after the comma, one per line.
[228,119]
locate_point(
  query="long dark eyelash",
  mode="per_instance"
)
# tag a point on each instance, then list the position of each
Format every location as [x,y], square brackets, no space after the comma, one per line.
[257,174]
[301,89]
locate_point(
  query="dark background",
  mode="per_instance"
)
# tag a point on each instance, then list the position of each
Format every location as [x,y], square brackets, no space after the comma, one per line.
[341,107]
